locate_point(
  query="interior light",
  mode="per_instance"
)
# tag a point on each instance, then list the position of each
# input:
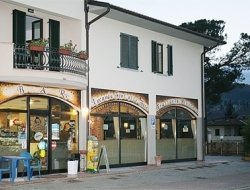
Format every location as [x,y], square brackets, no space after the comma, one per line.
[125,125]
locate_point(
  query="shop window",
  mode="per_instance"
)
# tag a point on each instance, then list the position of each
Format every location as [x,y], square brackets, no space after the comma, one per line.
[166,129]
[13,132]
[128,128]
[184,129]
[129,51]
[39,103]
[108,128]
[15,104]
[157,57]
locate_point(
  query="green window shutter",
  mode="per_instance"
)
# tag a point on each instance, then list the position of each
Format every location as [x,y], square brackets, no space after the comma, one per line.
[54,34]
[124,42]
[19,29]
[54,44]
[133,58]
[154,57]
[170,60]
[129,51]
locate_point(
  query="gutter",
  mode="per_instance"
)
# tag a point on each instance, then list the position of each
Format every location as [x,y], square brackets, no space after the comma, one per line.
[87,22]
[87,27]
[204,127]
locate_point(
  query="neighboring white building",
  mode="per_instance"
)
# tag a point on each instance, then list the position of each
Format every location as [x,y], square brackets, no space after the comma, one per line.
[145,83]
[225,130]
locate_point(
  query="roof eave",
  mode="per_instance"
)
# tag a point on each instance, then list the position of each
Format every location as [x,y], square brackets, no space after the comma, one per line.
[130,17]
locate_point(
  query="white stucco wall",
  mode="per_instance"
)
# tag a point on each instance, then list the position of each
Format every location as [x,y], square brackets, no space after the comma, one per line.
[105,60]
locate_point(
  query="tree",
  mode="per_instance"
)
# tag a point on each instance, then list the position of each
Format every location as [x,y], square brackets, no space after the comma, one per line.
[230,112]
[222,73]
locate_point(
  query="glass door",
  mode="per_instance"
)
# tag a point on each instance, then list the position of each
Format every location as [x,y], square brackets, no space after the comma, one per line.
[38,129]
[39,137]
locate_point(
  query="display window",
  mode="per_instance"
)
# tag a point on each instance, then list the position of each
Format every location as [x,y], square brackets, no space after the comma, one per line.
[121,127]
[44,126]
[176,134]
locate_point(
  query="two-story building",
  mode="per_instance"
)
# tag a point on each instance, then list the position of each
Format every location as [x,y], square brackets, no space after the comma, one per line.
[142,84]
[42,92]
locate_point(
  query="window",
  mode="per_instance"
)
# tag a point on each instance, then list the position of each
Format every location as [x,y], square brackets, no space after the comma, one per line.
[170,60]
[129,51]
[157,57]
[217,132]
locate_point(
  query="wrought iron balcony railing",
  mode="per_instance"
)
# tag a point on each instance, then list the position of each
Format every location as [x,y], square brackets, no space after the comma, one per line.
[48,59]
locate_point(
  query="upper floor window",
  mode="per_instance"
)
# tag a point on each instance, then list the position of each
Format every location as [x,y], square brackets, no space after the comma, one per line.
[129,51]
[170,60]
[157,57]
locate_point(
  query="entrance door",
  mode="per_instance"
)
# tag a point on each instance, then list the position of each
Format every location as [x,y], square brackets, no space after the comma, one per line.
[39,129]
[39,137]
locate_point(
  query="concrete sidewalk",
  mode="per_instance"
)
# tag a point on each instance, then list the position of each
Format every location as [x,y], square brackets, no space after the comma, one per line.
[210,161]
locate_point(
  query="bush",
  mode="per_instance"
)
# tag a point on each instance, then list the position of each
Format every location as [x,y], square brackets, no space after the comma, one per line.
[246,137]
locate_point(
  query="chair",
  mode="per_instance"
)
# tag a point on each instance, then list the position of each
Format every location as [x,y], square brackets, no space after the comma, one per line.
[4,168]
[34,163]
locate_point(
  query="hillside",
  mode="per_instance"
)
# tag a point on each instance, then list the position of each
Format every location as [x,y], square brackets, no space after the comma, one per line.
[239,98]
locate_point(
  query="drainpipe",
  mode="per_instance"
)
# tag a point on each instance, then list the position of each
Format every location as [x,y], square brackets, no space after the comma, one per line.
[87,27]
[203,124]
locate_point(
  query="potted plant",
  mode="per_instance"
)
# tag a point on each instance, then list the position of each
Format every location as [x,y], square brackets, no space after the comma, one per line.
[38,45]
[83,55]
[67,48]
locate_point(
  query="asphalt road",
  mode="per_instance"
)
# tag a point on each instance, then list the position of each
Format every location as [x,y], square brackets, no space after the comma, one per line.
[215,173]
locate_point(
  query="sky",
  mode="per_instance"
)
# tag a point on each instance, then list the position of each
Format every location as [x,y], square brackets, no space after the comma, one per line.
[235,13]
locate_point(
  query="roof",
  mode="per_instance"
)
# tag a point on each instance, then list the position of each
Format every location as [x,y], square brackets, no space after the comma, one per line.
[143,21]
[226,122]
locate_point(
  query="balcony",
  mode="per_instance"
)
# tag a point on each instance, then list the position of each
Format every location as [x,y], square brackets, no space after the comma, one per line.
[49,60]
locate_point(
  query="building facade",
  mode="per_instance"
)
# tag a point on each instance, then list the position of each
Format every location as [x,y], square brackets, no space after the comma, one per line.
[142,84]
[42,92]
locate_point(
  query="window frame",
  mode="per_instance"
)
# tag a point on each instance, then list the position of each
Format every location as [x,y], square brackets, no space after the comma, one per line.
[157,57]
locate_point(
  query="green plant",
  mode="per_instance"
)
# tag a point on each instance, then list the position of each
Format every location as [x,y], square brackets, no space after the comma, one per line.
[246,137]
[40,42]
[69,46]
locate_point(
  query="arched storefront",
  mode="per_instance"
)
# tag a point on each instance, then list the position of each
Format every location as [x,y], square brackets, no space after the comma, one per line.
[45,126]
[176,128]
[122,127]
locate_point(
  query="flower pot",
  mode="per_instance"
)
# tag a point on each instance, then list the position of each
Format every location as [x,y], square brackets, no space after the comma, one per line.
[83,56]
[36,48]
[158,160]
[65,51]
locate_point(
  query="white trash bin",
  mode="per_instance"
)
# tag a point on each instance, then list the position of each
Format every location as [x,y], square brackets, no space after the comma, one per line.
[72,168]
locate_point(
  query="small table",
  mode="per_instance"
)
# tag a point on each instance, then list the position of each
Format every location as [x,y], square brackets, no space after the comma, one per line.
[14,160]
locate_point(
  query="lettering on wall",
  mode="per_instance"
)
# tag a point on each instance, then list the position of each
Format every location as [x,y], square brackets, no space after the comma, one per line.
[9,90]
[101,96]
[163,102]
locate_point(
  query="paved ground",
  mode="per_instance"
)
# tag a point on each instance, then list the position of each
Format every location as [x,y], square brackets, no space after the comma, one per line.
[216,172]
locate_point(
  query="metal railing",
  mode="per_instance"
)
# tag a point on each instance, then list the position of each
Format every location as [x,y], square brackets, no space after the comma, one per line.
[48,59]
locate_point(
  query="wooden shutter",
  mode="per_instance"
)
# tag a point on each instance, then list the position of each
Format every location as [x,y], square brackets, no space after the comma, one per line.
[133,58]
[154,52]
[170,60]
[54,43]
[54,34]
[124,43]
[19,30]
